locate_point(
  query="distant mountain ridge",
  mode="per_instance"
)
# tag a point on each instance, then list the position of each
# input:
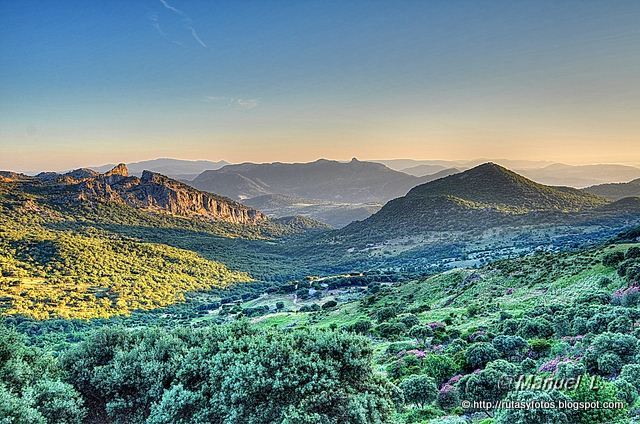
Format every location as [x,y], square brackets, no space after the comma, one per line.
[581,176]
[616,191]
[176,168]
[351,182]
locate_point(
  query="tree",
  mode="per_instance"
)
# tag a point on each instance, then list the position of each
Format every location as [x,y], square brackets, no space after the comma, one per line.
[479,354]
[609,352]
[233,373]
[510,347]
[612,259]
[631,373]
[542,415]
[420,390]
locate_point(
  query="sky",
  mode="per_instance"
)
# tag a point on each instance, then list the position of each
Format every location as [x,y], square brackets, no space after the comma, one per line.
[90,82]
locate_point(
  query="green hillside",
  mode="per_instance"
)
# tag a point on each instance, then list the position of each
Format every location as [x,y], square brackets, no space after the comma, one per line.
[494,186]
[89,273]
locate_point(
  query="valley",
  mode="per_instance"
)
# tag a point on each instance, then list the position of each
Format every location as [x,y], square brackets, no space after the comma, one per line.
[478,272]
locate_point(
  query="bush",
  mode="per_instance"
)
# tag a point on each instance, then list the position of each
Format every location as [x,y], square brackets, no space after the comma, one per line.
[386,313]
[632,253]
[536,327]
[625,391]
[420,390]
[391,330]
[479,354]
[534,415]
[193,376]
[631,373]
[448,397]
[330,304]
[510,347]
[439,367]
[612,259]
[569,369]
[609,352]
[362,326]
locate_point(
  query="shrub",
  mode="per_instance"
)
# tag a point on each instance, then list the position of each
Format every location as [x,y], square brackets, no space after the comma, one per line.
[330,304]
[612,259]
[534,415]
[439,367]
[362,326]
[606,393]
[391,329]
[479,354]
[421,333]
[386,313]
[536,327]
[625,391]
[632,253]
[410,320]
[628,296]
[631,373]
[510,347]
[420,390]
[448,397]
[609,352]
[570,369]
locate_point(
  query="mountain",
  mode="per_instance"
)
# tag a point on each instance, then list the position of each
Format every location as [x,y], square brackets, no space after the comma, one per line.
[334,214]
[465,210]
[616,191]
[428,172]
[404,164]
[176,168]
[424,169]
[352,182]
[151,192]
[494,186]
[583,175]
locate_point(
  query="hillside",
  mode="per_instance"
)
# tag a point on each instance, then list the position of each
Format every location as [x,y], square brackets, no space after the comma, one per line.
[466,331]
[352,182]
[616,191]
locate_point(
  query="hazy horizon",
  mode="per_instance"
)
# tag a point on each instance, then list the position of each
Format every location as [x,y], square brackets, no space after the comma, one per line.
[534,163]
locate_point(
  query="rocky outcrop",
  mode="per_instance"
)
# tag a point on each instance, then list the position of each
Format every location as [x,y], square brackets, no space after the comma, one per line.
[158,193]
[120,170]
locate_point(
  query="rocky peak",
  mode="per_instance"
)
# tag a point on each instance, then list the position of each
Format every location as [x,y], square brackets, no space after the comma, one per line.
[120,169]
[154,177]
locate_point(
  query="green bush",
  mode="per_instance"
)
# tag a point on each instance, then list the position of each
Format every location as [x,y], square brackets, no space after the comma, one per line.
[419,390]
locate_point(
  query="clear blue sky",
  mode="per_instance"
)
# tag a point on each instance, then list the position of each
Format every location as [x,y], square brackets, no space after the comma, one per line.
[89,82]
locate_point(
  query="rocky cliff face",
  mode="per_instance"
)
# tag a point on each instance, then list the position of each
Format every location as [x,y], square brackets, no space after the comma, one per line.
[155,192]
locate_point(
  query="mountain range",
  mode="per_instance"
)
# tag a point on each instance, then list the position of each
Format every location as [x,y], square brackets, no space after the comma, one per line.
[175,168]
[581,176]
[351,182]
